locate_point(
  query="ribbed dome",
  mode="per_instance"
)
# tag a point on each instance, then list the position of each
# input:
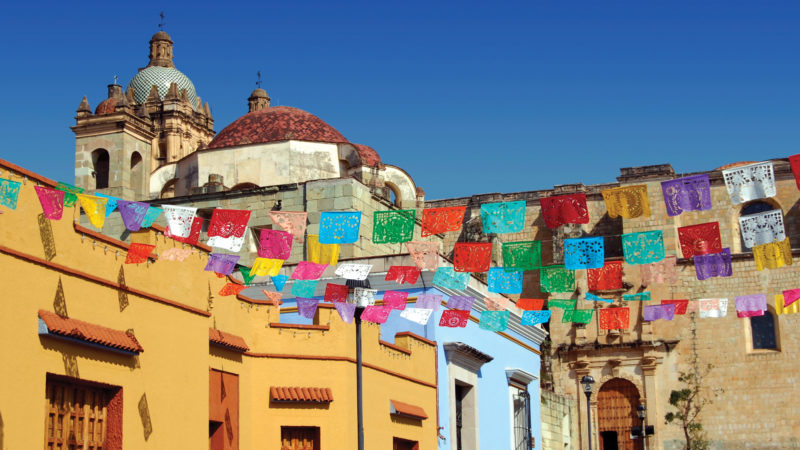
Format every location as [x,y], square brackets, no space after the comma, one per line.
[107,106]
[279,123]
[161,77]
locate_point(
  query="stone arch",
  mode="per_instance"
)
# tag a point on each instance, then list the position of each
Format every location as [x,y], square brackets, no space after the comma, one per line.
[137,174]
[625,376]
[244,186]
[751,207]
[101,165]
[168,191]
[402,185]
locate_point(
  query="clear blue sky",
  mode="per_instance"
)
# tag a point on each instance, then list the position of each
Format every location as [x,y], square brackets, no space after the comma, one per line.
[468,97]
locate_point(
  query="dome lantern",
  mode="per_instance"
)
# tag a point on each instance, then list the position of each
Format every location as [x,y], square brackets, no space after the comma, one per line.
[161,50]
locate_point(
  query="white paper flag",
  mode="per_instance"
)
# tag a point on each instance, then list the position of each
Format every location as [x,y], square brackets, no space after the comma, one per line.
[353,271]
[750,182]
[712,307]
[363,297]
[762,228]
[179,219]
[232,243]
[418,315]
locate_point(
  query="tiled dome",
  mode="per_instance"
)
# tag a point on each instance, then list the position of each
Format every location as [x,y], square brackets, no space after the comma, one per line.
[279,123]
[161,77]
[107,106]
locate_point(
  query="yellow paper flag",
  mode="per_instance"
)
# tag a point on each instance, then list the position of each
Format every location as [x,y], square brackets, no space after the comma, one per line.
[95,209]
[322,253]
[773,255]
[794,308]
[264,267]
[627,201]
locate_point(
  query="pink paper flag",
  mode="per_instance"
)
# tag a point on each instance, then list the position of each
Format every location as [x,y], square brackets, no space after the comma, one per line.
[376,314]
[292,222]
[424,254]
[275,244]
[790,296]
[497,303]
[308,271]
[746,314]
[52,201]
[395,299]
[273,297]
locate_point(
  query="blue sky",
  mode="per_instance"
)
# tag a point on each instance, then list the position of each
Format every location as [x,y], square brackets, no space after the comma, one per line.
[467,97]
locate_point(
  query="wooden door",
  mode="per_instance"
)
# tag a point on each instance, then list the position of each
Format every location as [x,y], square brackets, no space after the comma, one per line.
[616,415]
[76,416]
[300,438]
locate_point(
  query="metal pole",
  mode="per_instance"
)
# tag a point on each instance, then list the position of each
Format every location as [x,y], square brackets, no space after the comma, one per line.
[359,393]
[589,418]
[644,436]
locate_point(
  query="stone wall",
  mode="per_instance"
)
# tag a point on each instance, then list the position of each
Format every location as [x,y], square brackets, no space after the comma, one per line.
[557,422]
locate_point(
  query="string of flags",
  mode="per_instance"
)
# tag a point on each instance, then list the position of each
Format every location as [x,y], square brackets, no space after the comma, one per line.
[764,232]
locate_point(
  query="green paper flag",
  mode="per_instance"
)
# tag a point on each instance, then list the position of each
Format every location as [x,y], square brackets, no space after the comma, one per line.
[577,316]
[556,279]
[392,227]
[69,193]
[563,303]
[640,297]
[524,255]
[246,277]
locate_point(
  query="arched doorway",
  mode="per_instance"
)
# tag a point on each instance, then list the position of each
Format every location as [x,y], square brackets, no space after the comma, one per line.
[616,415]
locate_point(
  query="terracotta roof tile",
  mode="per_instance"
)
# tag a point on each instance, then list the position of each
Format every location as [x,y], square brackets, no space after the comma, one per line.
[369,157]
[300,394]
[227,340]
[84,331]
[107,106]
[407,410]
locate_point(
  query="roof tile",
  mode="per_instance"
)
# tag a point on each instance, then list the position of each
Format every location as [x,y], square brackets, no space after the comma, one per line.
[85,331]
[300,394]
[227,340]
[407,410]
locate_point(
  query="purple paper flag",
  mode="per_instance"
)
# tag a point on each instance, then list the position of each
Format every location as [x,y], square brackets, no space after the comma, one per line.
[429,301]
[395,300]
[307,307]
[713,265]
[221,263]
[346,311]
[755,302]
[656,312]
[460,302]
[132,213]
[687,194]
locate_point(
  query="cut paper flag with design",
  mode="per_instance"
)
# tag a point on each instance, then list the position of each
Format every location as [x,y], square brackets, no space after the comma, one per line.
[713,265]
[273,297]
[577,316]
[523,255]
[351,271]
[712,307]
[556,279]
[346,311]
[231,289]
[293,222]
[446,277]
[111,202]
[194,234]
[232,243]
[307,307]
[640,297]
[266,267]
[246,277]
[472,256]
[95,209]
[687,194]
[606,278]
[9,193]
[643,248]
[429,301]
[424,254]
[322,253]
[700,239]
[275,244]
[530,304]
[442,220]
[150,216]
[376,314]
[403,274]
[790,296]
[627,201]
[418,315]
[308,271]
[563,303]
[132,213]
[503,217]
[614,318]
[756,303]
[794,308]
[52,201]
[138,253]
[395,300]
[339,227]
[794,161]
[661,272]
[762,228]
[750,182]
[746,314]
[336,292]
[463,303]
[773,255]
[503,282]
[531,318]
[363,296]
[228,223]
[494,320]
[221,263]
[70,193]
[659,312]
[680,306]
[392,227]
[303,288]
[584,253]
[562,209]
[454,318]
[179,219]
[175,254]
[692,306]
[279,281]
[497,303]
[589,297]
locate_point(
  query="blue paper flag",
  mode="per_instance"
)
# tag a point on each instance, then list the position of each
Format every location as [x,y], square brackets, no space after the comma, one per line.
[494,320]
[339,227]
[640,297]
[504,282]
[643,248]
[503,217]
[9,192]
[448,278]
[535,317]
[111,203]
[304,288]
[279,281]
[151,216]
[584,253]
[593,298]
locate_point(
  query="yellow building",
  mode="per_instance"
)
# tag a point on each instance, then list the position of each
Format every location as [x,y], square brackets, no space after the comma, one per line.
[99,353]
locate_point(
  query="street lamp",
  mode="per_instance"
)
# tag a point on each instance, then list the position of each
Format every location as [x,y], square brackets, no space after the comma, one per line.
[587,381]
[351,285]
[641,411]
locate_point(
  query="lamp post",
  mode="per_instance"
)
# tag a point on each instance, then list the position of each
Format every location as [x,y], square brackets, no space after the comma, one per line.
[351,285]
[587,381]
[641,411]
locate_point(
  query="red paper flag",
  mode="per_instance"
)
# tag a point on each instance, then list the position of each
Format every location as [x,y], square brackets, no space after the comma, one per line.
[561,209]
[336,292]
[231,289]
[615,318]
[194,233]
[680,305]
[227,223]
[701,239]
[606,278]
[454,318]
[530,304]
[472,257]
[138,253]
[794,161]
[442,220]
[403,274]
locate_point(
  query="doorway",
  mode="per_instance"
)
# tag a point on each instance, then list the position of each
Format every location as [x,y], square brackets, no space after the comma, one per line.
[616,415]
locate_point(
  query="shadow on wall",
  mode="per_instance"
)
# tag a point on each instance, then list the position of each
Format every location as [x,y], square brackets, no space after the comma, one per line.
[2,445]
[792,222]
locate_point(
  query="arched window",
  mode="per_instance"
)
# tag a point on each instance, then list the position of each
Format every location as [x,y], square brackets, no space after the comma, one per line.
[137,173]
[100,167]
[393,194]
[244,186]
[763,332]
[168,191]
[755,207]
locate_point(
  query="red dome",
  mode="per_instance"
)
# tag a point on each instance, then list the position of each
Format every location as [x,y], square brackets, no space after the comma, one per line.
[107,106]
[275,124]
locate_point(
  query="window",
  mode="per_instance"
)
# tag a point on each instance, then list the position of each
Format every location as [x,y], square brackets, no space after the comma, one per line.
[753,208]
[100,168]
[404,444]
[521,414]
[300,438]
[763,333]
[78,414]
[463,364]
[137,173]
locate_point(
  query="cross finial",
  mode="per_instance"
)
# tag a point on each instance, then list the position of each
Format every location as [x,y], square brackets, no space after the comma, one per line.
[161,24]
[115,79]
[258,81]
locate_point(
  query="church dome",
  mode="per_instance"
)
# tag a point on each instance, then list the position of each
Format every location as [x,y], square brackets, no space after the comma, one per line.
[275,124]
[107,106]
[161,77]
